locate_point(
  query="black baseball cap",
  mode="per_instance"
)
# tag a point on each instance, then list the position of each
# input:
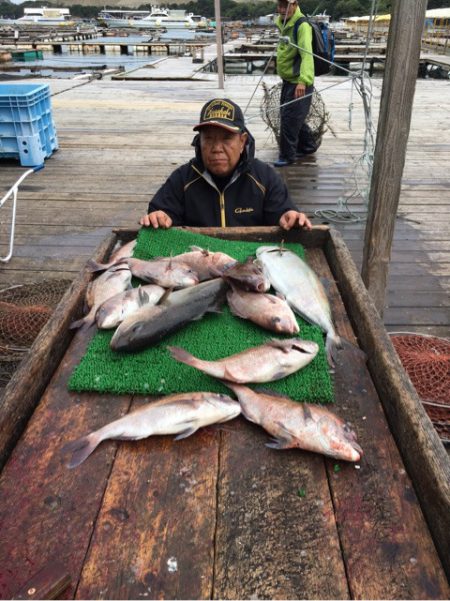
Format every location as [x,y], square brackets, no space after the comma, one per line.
[224,113]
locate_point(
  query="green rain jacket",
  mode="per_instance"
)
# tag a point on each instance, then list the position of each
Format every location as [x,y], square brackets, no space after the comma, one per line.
[294,65]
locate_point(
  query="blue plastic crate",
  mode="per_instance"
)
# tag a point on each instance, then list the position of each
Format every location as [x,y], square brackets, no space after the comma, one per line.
[27,130]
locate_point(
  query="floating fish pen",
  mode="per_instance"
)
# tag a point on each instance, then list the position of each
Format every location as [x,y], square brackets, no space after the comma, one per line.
[218,514]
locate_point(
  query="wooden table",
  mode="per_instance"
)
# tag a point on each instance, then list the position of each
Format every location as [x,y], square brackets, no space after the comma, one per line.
[219,515]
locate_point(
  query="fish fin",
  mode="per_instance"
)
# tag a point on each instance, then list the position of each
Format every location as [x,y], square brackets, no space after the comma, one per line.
[228,375]
[143,297]
[93,266]
[280,344]
[272,393]
[213,271]
[186,433]
[165,296]
[81,449]
[217,306]
[279,444]
[179,354]
[234,311]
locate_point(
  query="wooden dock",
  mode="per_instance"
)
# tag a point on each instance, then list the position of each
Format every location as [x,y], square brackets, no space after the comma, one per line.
[219,515]
[120,139]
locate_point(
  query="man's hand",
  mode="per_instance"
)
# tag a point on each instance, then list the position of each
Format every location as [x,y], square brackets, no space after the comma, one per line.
[156,219]
[292,219]
[300,90]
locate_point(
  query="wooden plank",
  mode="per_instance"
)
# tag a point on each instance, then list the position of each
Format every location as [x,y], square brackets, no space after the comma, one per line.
[54,519]
[45,354]
[272,543]
[384,536]
[48,583]
[161,496]
[423,454]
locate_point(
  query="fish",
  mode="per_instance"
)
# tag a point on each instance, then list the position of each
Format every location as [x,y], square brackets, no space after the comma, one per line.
[118,307]
[113,281]
[124,252]
[298,425]
[163,272]
[205,264]
[248,275]
[266,310]
[265,363]
[150,324]
[303,290]
[181,414]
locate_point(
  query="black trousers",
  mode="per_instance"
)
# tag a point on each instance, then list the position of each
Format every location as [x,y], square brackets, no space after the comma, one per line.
[295,135]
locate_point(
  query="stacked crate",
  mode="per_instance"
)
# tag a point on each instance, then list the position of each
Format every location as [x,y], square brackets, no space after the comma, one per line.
[27,130]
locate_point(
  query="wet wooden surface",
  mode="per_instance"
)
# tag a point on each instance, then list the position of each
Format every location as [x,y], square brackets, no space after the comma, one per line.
[217,515]
[119,140]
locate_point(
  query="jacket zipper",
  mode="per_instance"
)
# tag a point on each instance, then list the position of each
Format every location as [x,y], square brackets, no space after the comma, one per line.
[223,221]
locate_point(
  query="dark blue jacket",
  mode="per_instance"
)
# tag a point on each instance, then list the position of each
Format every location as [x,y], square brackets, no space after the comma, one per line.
[255,195]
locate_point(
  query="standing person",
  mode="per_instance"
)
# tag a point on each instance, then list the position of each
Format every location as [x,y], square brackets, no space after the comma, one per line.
[295,66]
[224,185]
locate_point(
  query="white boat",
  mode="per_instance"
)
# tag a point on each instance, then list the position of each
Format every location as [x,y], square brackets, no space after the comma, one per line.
[157,18]
[42,16]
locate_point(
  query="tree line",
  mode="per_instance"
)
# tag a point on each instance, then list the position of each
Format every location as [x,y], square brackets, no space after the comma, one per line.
[230,9]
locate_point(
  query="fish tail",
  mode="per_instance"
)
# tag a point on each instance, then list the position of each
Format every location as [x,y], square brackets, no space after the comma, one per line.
[81,449]
[84,323]
[93,266]
[179,354]
[335,343]
[332,344]
[231,385]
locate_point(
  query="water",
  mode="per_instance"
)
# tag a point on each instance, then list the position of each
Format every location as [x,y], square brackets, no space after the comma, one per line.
[52,65]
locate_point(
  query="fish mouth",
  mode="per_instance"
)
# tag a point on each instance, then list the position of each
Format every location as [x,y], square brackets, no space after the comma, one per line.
[306,349]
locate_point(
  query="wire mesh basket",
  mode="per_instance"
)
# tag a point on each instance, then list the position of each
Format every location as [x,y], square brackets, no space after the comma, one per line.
[24,310]
[426,359]
[317,120]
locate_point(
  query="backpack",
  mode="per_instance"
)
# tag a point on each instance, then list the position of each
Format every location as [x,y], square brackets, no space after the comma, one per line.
[323,45]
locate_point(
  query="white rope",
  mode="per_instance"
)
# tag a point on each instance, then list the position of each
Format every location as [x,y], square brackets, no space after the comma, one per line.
[365,161]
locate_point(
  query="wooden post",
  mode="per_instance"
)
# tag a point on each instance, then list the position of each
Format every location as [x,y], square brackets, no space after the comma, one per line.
[219,43]
[402,64]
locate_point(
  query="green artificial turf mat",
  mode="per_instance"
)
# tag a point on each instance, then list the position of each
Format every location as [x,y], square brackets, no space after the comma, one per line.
[153,371]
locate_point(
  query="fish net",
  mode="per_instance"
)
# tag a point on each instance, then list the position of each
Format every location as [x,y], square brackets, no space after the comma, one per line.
[317,120]
[426,359]
[24,310]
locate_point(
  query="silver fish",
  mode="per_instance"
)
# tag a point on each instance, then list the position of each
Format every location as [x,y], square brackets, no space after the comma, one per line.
[204,263]
[298,425]
[150,324]
[163,272]
[108,284]
[303,290]
[265,363]
[266,310]
[117,308]
[181,414]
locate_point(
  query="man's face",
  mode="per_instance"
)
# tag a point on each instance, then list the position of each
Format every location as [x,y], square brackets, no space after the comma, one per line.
[221,149]
[284,7]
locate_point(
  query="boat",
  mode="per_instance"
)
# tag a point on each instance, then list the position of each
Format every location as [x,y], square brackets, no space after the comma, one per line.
[155,18]
[42,16]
